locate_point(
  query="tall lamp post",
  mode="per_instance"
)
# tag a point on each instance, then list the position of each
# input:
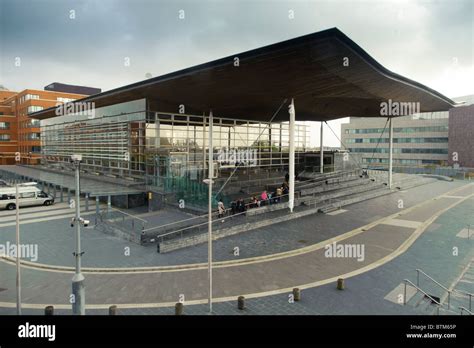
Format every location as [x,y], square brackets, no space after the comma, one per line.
[78,292]
[209,182]
[18,269]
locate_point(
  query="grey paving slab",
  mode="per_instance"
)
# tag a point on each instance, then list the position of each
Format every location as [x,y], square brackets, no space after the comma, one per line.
[232,281]
[56,242]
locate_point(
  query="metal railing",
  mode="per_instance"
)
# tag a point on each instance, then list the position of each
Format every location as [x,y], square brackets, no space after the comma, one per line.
[419,289]
[202,226]
[468,294]
[127,223]
[160,234]
[418,271]
[463,309]
[464,293]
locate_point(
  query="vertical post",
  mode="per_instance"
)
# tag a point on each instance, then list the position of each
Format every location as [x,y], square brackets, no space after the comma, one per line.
[97,210]
[18,276]
[390,153]
[204,144]
[109,203]
[291,173]
[86,197]
[321,150]
[78,306]
[61,194]
[209,227]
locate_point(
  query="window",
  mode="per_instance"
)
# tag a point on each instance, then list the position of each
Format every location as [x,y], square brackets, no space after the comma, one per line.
[27,195]
[65,100]
[33,124]
[4,137]
[4,125]
[31,96]
[408,150]
[398,130]
[5,197]
[42,195]
[34,108]
[33,136]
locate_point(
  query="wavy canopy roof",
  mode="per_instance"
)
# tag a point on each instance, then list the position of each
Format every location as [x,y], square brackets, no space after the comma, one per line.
[309,69]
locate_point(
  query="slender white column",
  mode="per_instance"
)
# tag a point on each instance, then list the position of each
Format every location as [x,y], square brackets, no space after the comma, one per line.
[291,173]
[390,152]
[209,228]
[321,151]
[18,270]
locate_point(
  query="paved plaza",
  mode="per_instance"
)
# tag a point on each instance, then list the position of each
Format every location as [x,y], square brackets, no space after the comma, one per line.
[397,241]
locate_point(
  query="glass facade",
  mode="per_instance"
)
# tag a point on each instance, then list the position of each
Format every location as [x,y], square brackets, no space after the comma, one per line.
[168,152]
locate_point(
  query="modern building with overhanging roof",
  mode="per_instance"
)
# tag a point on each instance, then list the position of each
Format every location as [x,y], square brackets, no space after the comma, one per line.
[156,131]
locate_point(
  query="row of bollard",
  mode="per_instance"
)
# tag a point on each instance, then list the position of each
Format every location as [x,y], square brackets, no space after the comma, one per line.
[49,310]
[179,307]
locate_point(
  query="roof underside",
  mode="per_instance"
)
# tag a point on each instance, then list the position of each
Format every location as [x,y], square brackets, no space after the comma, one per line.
[309,69]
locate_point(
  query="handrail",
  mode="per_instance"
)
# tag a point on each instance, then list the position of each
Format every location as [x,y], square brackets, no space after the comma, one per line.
[463,309]
[226,211]
[466,293]
[124,213]
[418,271]
[419,289]
[326,176]
[206,223]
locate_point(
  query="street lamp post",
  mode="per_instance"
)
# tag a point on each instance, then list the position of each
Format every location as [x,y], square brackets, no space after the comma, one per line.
[17,235]
[209,241]
[78,292]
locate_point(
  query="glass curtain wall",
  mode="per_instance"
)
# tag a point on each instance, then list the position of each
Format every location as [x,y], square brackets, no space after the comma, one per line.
[169,152]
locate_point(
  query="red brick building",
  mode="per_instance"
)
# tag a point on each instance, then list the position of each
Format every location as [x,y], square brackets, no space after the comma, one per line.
[20,133]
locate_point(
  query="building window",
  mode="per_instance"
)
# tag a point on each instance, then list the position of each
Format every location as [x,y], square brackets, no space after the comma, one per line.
[33,136]
[398,130]
[4,137]
[408,150]
[36,149]
[64,100]
[4,125]
[33,123]
[31,96]
[34,108]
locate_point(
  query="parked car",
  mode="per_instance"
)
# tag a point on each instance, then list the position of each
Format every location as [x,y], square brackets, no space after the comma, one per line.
[28,197]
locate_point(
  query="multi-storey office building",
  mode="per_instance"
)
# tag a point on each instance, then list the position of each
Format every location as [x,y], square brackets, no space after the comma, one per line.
[8,129]
[20,133]
[418,140]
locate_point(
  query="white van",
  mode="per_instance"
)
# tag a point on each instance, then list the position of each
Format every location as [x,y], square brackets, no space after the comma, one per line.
[28,196]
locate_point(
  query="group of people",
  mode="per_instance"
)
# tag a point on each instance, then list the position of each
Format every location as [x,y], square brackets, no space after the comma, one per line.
[239,205]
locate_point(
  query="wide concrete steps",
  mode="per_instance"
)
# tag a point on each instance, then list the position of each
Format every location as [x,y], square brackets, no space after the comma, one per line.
[335,199]
[336,204]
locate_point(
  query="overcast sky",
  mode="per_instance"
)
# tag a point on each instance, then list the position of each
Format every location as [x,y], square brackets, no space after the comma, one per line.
[87,42]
